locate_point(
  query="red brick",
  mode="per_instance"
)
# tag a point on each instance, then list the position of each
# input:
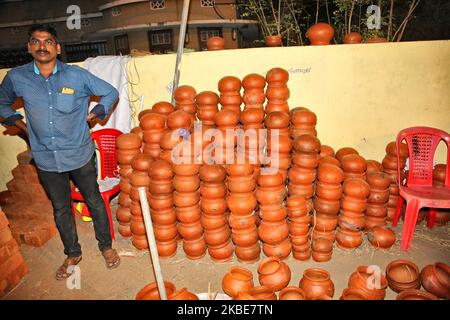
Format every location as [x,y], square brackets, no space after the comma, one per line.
[24,158]
[8,249]
[37,238]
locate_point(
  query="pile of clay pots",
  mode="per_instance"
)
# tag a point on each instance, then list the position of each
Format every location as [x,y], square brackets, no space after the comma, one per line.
[376,211]
[298,219]
[277,92]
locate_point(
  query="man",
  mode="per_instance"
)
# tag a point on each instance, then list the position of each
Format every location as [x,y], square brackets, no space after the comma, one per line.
[56,108]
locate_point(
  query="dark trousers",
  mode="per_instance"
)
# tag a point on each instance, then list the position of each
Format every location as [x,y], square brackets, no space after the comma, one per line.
[57,186]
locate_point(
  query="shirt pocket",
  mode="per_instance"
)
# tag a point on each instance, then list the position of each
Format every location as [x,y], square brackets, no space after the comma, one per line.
[65,102]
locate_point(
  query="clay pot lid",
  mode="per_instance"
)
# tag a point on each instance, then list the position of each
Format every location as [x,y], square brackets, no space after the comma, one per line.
[303,116]
[307,143]
[277,75]
[344,151]
[179,119]
[141,162]
[229,83]
[402,271]
[253,80]
[252,115]
[207,97]
[163,107]
[378,179]
[320,33]
[415,294]
[152,120]
[215,43]
[352,38]
[226,118]
[353,163]
[212,173]
[185,92]
[391,149]
[128,141]
[277,120]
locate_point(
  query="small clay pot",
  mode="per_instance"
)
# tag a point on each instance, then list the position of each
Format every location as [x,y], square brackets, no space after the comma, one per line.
[316,282]
[194,249]
[273,232]
[329,173]
[366,279]
[281,249]
[436,279]
[344,151]
[273,41]
[245,237]
[222,252]
[242,222]
[248,254]
[215,43]
[329,160]
[241,184]
[241,204]
[292,293]
[414,294]
[356,188]
[237,280]
[163,107]
[274,273]
[402,275]
[190,231]
[188,214]
[320,34]
[353,294]
[128,141]
[353,163]
[214,207]
[182,294]
[260,293]
[352,38]
[186,199]
[151,292]
[382,238]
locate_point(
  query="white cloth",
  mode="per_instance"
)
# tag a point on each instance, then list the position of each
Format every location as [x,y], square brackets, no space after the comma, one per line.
[108,183]
[112,69]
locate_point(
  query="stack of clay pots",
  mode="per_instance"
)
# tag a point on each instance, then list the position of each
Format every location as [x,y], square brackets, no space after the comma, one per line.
[180,124]
[354,166]
[352,219]
[138,131]
[129,145]
[241,201]
[187,202]
[327,206]
[298,220]
[326,151]
[277,91]
[377,201]
[303,121]
[164,217]
[214,212]
[390,167]
[163,107]
[279,143]
[343,152]
[185,100]
[207,107]
[230,94]
[226,121]
[139,178]
[273,229]
[153,125]
[305,160]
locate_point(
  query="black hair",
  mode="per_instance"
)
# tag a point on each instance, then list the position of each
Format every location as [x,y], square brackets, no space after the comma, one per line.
[43,27]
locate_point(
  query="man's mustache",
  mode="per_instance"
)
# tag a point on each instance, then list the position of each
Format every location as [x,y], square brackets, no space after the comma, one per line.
[42,51]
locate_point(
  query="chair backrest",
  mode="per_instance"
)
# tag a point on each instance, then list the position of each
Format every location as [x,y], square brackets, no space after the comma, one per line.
[422,143]
[106,143]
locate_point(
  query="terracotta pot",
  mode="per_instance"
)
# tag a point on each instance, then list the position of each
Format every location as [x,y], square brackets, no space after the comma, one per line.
[161,186]
[226,119]
[167,249]
[151,291]
[345,151]
[213,206]
[298,228]
[321,257]
[299,175]
[330,207]
[351,220]
[188,214]
[260,293]
[326,151]
[324,222]
[248,254]
[217,236]
[215,43]
[163,107]
[292,293]
[212,222]
[402,275]
[330,174]
[186,169]
[302,255]
[186,183]
[353,163]
[305,160]
[274,273]
[195,248]
[190,231]
[281,249]
[320,34]
[367,280]
[413,294]
[182,294]
[245,237]
[124,200]
[137,226]
[303,116]
[436,279]
[242,222]
[348,239]
[353,294]
[165,232]
[352,38]
[331,235]
[328,191]
[222,252]
[273,232]
[240,170]
[378,196]
[379,237]
[241,184]
[123,214]
[356,188]
[275,212]
[273,41]
[307,144]
[322,245]
[152,121]
[128,141]
[241,204]
[353,204]
[372,222]
[186,199]
[376,210]
[270,180]
[329,160]
[213,190]
[237,280]
[140,242]
[316,282]
[164,216]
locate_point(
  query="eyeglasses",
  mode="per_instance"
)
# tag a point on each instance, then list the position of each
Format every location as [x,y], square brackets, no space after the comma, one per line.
[46,42]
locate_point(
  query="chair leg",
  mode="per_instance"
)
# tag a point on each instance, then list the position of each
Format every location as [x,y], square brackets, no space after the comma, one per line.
[431,218]
[398,211]
[108,210]
[85,212]
[412,211]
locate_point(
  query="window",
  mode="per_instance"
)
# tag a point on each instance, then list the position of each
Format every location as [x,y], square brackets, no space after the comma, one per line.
[205,33]
[157,4]
[161,41]
[122,45]
[207,3]
[82,51]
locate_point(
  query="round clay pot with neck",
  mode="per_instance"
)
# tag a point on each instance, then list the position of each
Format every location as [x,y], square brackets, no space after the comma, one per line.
[316,282]
[320,34]
[352,38]
[274,273]
[236,280]
[273,41]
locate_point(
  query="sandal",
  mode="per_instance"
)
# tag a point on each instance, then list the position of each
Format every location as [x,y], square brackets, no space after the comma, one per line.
[112,259]
[62,273]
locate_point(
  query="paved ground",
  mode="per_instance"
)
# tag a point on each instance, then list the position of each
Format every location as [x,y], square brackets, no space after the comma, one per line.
[135,271]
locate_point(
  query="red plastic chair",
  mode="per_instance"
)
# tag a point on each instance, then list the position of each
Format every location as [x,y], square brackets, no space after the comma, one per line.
[419,191]
[106,143]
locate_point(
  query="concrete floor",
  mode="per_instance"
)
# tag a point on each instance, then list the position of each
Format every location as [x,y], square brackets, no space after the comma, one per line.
[135,271]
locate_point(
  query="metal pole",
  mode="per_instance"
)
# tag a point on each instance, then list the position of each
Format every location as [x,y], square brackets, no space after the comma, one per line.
[152,242]
[184,16]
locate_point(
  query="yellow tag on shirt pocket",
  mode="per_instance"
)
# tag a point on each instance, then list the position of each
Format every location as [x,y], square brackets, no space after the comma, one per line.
[67,90]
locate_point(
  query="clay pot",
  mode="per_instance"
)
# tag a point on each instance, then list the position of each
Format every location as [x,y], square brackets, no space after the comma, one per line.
[160,202]
[414,294]
[128,141]
[248,254]
[330,207]
[298,175]
[164,217]
[330,174]
[182,294]
[213,190]
[245,237]
[165,232]
[302,255]
[373,166]
[324,222]
[344,151]
[436,279]
[275,212]
[307,144]
[222,252]
[329,160]
[326,151]
[292,293]
[217,236]
[402,275]
[186,199]
[274,273]
[242,222]
[348,239]
[363,278]
[186,183]
[190,231]
[353,204]
[123,214]
[151,292]
[270,180]
[380,237]
[375,39]
[273,41]
[320,34]
[316,282]
[302,118]
[306,160]
[163,107]
[237,280]
[273,232]
[352,38]
[212,173]
[267,196]
[281,249]
[353,294]
[378,180]
[124,200]
[322,245]
[215,43]
[353,163]
[357,188]
[241,184]
[195,248]
[240,170]
[179,119]
[167,249]
[140,242]
[212,222]
[328,191]
[259,293]
[372,222]
[331,235]
[378,196]
[241,204]
[351,220]
[152,121]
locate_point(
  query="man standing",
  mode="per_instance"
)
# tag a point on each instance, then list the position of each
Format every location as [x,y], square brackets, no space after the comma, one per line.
[56,99]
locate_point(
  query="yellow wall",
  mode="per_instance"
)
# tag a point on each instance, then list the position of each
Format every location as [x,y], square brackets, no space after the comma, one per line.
[362,94]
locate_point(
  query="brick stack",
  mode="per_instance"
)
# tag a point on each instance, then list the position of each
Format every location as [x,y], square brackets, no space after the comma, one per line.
[12,265]
[29,211]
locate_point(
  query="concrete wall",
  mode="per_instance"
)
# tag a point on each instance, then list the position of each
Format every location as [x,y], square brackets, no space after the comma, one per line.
[362,94]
